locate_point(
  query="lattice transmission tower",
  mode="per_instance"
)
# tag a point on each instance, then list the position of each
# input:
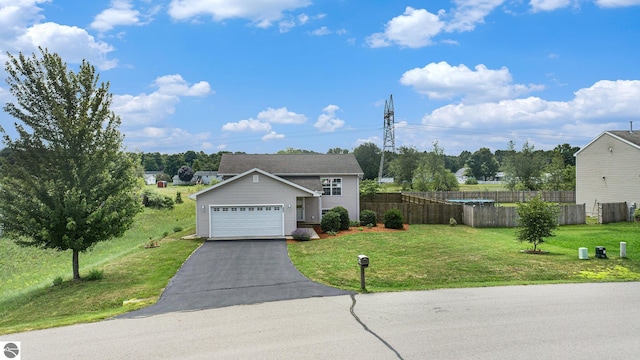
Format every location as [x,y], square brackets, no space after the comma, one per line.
[389,141]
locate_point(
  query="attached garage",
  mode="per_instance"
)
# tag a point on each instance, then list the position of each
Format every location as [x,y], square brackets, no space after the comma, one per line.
[252,205]
[230,221]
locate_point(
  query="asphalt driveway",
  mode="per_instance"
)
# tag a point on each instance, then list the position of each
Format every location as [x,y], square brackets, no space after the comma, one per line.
[238,272]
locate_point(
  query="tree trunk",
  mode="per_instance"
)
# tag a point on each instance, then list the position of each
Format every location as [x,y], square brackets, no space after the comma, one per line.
[76,265]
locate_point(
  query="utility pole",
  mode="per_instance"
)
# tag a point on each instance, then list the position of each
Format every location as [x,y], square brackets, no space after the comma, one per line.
[389,141]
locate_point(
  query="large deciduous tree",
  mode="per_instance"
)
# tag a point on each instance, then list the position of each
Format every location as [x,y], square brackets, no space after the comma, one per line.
[431,174]
[368,156]
[482,164]
[523,169]
[72,184]
[404,164]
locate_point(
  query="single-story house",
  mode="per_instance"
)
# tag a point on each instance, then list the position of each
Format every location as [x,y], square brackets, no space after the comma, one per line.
[608,170]
[151,177]
[267,196]
[206,177]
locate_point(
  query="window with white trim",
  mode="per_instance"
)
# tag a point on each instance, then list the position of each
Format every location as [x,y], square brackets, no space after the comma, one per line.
[331,186]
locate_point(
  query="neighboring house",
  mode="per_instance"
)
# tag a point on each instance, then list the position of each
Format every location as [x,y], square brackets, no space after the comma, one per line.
[460,175]
[151,177]
[206,177]
[266,196]
[176,181]
[608,170]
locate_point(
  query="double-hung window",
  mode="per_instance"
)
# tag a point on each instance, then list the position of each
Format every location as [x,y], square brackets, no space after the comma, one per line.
[331,186]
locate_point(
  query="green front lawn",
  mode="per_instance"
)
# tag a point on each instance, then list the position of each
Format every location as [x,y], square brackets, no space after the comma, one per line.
[437,256]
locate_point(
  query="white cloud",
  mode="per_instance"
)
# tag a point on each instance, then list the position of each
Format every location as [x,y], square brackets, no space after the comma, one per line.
[264,120]
[17,16]
[154,107]
[252,125]
[549,5]
[121,12]
[328,122]
[261,13]
[72,43]
[272,135]
[176,85]
[23,30]
[281,116]
[617,3]
[443,81]
[161,139]
[604,101]
[415,28]
[321,31]
[468,13]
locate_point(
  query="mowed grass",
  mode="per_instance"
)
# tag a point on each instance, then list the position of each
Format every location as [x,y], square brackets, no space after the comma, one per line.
[424,257]
[29,301]
[438,256]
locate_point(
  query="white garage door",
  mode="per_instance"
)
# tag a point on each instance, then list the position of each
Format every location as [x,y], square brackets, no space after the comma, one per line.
[247,221]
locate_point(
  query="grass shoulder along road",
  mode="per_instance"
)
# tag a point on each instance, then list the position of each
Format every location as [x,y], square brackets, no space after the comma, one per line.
[131,272]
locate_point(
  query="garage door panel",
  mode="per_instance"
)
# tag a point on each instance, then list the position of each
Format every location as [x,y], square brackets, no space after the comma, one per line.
[247,221]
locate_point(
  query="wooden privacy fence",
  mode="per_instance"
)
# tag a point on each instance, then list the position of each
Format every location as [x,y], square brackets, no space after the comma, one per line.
[416,209]
[498,196]
[612,212]
[503,216]
[417,213]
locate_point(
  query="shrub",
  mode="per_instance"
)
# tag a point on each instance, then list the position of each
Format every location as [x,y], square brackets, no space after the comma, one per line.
[95,274]
[453,222]
[156,200]
[330,222]
[177,229]
[393,219]
[179,198]
[636,215]
[471,181]
[354,223]
[301,234]
[368,217]
[57,281]
[344,217]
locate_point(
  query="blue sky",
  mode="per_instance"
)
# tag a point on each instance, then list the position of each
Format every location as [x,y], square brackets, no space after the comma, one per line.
[262,76]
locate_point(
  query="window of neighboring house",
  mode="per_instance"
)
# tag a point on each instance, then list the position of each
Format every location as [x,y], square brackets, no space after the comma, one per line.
[331,186]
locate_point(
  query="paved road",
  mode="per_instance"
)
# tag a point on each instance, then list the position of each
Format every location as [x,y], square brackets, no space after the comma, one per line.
[239,272]
[577,321]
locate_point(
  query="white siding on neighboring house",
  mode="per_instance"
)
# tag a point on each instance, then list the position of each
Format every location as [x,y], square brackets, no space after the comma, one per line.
[607,170]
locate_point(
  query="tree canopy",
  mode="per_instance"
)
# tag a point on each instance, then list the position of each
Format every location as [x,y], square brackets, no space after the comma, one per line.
[71,183]
[431,174]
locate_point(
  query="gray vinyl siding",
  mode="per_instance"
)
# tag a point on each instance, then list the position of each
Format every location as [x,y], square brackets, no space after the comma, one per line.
[350,198]
[244,191]
[607,170]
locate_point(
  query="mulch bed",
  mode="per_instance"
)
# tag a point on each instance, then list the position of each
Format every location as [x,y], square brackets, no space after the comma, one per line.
[353,230]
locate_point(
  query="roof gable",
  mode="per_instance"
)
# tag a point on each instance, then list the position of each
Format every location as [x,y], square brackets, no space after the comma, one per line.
[291,164]
[628,137]
[249,172]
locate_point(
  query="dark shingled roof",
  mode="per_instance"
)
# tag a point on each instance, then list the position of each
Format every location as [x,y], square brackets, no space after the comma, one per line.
[632,137]
[291,164]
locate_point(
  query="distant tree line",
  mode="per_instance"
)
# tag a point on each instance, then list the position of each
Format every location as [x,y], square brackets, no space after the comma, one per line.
[522,169]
